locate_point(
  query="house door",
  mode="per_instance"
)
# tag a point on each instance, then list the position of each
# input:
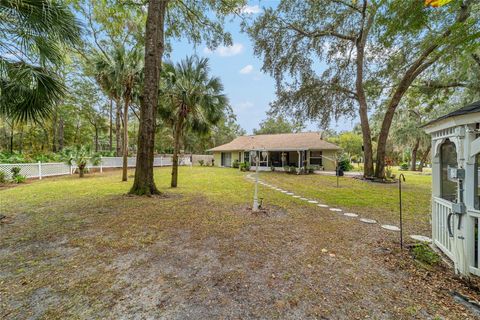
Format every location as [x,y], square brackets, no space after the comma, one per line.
[226,159]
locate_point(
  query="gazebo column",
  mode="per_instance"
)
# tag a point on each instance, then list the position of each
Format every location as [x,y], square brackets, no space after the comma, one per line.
[470,187]
[460,221]
[436,186]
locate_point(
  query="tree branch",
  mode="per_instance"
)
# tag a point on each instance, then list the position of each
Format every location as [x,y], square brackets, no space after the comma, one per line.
[318,33]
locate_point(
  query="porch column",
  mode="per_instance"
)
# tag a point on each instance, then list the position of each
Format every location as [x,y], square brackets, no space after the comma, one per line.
[299,159]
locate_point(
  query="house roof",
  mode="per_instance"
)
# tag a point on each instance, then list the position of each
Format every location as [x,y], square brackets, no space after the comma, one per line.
[279,142]
[471,108]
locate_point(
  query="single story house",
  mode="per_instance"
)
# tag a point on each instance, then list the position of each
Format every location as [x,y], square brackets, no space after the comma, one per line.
[279,150]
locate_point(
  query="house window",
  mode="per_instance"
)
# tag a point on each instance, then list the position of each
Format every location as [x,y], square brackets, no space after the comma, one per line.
[246,156]
[316,158]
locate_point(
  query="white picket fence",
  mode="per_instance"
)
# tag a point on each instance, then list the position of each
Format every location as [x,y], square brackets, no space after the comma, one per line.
[49,169]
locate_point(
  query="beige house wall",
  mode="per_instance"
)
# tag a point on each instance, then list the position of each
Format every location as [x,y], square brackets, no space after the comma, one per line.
[217,157]
[329,165]
[234,155]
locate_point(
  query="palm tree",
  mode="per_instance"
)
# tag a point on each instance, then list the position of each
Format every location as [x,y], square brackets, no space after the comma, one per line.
[119,74]
[100,66]
[190,100]
[80,157]
[33,36]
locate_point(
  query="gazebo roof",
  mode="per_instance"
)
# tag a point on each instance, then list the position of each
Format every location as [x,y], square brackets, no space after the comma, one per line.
[457,117]
[471,108]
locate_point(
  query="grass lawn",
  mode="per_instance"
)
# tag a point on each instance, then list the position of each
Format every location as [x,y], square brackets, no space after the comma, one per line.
[81,249]
[371,200]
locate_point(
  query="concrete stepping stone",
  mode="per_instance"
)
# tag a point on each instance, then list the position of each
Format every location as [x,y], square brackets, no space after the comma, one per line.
[290,194]
[322,205]
[421,238]
[296,196]
[284,191]
[370,221]
[390,227]
[304,199]
[335,209]
[313,201]
[349,214]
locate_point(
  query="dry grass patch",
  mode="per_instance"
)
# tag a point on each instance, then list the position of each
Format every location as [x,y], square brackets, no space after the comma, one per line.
[81,249]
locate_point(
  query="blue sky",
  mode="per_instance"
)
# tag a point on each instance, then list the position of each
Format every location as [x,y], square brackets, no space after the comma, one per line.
[249,90]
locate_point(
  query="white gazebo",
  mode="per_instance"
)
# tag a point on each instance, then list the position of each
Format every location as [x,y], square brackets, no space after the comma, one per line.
[455,187]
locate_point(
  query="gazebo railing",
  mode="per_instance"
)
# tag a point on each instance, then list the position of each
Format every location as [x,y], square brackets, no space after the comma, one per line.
[473,234]
[441,209]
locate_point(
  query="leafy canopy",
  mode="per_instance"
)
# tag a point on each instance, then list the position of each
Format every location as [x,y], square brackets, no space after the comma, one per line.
[34,35]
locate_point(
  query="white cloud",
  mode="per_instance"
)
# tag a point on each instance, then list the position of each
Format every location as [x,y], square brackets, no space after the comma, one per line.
[229,51]
[244,105]
[251,9]
[247,69]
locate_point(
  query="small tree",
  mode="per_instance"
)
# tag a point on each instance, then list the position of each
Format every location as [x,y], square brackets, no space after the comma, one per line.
[80,157]
[190,100]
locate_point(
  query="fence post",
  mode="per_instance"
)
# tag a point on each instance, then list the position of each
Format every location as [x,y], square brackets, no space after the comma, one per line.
[101,164]
[39,170]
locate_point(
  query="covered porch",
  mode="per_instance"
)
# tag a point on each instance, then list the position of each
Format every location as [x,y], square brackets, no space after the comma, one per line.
[279,159]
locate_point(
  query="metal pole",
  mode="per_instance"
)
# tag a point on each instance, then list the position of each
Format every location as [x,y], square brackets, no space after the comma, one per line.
[255,196]
[400,178]
[338,172]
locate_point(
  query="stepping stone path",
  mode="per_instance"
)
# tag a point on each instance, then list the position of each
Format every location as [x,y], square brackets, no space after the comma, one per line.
[390,227]
[352,215]
[421,238]
[347,214]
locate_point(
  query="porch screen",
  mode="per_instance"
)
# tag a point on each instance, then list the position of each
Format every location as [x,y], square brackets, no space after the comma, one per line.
[448,157]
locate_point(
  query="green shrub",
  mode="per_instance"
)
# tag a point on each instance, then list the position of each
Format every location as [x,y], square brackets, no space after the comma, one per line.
[404,166]
[81,156]
[15,171]
[236,164]
[423,253]
[201,163]
[272,168]
[3,178]
[19,179]
[16,176]
[292,170]
[344,164]
[244,166]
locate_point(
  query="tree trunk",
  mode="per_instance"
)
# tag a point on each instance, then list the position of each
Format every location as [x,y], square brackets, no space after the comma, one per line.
[60,134]
[176,150]
[424,157]
[110,142]
[154,46]
[11,138]
[125,138]
[118,130]
[423,61]
[54,132]
[362,101]
[96,138]
[81,171]
[413,165]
